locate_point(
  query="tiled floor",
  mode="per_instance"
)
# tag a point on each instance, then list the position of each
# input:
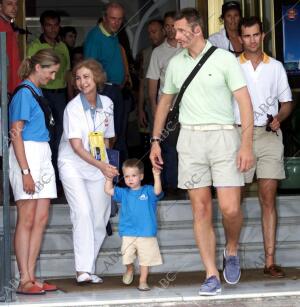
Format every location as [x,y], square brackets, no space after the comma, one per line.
[173,290]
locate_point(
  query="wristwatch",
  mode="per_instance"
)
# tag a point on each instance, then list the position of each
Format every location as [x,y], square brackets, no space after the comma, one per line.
[155,139]
[25,171]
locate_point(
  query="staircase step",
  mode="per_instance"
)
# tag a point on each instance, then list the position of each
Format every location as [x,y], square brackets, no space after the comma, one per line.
[175,259]
[176,234]
[176,239]
[180,210]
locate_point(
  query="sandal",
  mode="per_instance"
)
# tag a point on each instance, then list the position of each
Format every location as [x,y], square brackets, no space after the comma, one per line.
[143,286]
[45,286]
[49,287]
[33,290]
[127,278]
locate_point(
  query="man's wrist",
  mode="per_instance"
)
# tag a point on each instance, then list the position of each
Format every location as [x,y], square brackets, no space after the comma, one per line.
[155,139]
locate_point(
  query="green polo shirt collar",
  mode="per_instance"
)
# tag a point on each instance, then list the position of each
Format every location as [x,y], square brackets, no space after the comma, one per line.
[102,29]
[43,41]
[200,55]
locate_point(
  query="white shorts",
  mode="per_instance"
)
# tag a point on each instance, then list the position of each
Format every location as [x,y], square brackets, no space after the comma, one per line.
[38,155]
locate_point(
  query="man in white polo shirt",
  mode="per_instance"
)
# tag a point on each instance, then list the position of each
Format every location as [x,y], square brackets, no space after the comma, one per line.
[209,147]
[268,86]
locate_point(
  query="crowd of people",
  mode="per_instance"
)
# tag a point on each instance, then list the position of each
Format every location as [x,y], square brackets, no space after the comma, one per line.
[230,114]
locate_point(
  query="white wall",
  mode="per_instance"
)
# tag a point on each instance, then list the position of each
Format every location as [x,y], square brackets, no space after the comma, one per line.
[187,3]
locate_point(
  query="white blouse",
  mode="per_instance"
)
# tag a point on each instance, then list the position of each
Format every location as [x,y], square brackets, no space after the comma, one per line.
[77,124]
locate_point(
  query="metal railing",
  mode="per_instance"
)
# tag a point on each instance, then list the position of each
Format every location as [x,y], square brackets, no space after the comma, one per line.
[5,266]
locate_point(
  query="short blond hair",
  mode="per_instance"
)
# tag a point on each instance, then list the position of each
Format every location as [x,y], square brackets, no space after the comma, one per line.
[96,69]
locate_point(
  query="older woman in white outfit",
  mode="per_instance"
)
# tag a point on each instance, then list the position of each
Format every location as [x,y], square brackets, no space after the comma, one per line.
[83,175]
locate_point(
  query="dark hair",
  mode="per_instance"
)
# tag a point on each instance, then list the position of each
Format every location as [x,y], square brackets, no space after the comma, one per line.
[67,29]
[44,57]
[49,14]
[249,22]
[231,5]
[170,14]
[76,50]
[159,21]
[73,52]
[191,15]
[134,163]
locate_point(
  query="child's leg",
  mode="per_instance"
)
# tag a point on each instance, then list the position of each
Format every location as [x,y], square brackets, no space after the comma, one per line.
[130,268]
[144,270]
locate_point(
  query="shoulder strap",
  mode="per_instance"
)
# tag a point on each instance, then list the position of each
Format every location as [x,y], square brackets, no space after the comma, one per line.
[191,76]
[33,92]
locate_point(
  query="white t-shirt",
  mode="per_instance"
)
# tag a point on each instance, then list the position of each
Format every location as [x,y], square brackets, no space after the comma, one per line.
[77,124]
[268,86]
[160,59]
[221,40]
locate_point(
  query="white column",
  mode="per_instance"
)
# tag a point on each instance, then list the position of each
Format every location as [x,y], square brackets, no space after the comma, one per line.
[214,12]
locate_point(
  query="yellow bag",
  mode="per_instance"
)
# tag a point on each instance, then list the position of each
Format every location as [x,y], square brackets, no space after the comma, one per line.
[97,145]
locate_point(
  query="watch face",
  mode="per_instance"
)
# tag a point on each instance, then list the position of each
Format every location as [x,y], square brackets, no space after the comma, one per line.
[25,171]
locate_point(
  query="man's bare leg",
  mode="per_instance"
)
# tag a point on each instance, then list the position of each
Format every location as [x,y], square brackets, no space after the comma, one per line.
[230,206]
[203,228]
[267,197]
[229,201]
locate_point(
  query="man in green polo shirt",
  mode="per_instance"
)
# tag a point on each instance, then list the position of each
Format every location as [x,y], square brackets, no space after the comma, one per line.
[209,149]
[55,90]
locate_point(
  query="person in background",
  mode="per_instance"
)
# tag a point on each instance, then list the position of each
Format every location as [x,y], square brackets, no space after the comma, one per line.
[31,172]
[76,57]
[68,35]
[138,224]
[268,86]
[228,38]
[160,59]
[156,36]
[102,44]
[83,174]
[8,13]
[56,90]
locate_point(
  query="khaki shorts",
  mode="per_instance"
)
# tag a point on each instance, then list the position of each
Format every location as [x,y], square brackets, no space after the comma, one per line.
[145,248]
[208,157]
[268,152]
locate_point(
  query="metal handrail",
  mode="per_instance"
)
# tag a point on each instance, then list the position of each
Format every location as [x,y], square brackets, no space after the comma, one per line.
[7,294]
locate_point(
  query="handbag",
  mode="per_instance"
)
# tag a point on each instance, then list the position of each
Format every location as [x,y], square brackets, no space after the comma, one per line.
[172,127]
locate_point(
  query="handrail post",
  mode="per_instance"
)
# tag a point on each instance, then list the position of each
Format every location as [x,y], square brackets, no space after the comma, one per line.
[7,292]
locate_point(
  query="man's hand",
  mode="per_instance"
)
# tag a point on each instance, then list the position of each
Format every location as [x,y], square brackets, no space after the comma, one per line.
[142,119]
[275,124]
[155,156]
[245,159]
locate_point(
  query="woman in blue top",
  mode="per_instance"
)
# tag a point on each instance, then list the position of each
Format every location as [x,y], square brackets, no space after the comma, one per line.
[31,172]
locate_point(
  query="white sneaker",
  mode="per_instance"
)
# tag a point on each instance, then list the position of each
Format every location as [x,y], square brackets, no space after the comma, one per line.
[96,279]
[84,278]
